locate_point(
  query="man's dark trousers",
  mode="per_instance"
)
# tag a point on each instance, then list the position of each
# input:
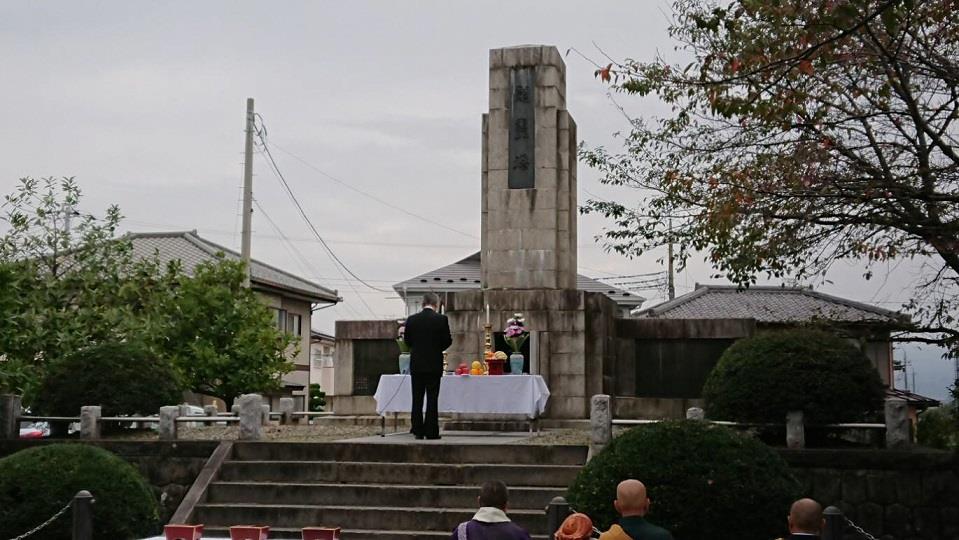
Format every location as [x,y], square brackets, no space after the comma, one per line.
[429,385]
[428,334]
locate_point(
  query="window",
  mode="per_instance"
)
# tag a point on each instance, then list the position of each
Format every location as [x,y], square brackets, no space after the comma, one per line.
[280,318]
[294,324]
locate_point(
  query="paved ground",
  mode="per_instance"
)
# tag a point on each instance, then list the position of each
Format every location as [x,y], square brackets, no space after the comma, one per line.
[448,437]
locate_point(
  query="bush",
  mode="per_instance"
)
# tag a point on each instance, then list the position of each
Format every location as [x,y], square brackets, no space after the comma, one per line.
[938,428]
[704,481]
[122,378]
[761,378]
[37,482]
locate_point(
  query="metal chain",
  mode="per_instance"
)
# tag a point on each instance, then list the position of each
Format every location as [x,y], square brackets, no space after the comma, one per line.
[45,523]
[859,529]
[595,530]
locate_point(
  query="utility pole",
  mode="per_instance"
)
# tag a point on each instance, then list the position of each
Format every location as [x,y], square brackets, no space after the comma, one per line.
[247,192]
[670,283]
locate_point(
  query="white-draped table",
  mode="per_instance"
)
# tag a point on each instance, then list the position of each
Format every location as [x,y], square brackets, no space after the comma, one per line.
[483,394]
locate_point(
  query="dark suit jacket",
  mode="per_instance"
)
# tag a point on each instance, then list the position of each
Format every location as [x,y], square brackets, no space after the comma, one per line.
[428,334]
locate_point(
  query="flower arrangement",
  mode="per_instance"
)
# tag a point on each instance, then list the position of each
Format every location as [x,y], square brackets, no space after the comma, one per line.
[516,332]
[400,333]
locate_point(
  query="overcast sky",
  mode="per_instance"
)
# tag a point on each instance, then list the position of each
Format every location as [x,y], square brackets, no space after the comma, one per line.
[143,102]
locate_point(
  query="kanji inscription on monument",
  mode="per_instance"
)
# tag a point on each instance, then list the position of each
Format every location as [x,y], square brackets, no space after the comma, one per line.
[522,126]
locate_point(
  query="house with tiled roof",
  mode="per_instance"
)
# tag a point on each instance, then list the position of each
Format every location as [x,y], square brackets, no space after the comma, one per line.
[291,298]
[682,339]
[466,274]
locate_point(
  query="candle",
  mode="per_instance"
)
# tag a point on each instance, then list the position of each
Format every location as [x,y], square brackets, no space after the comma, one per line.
[487,313]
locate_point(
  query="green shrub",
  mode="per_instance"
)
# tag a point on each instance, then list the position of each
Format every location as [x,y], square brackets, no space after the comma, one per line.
[704,481]
[761,378]
[317,398]
[938,428]
[122,378]
[37,482]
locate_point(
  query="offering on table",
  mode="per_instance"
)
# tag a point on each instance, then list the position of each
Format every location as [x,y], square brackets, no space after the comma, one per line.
[462,369]
[476,368]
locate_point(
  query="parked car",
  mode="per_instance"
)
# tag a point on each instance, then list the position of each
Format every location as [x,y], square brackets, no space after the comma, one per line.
[35,430]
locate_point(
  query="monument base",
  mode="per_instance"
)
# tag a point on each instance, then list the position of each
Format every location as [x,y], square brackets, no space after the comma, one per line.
[572,333]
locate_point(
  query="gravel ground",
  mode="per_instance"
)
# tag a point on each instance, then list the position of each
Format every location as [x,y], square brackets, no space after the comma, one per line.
[317,433]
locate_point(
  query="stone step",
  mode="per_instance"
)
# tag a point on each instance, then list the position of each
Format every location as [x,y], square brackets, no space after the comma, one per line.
[417,474]
[370,518]
[411,453]
[348,534]
[530,498]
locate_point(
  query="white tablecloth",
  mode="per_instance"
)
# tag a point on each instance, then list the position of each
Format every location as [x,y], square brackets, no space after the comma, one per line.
[497,394]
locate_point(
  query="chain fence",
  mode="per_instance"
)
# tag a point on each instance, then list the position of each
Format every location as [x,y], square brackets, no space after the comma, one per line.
[859,529]
[41,526]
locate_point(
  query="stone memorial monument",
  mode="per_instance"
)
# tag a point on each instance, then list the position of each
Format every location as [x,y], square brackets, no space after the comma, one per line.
[528,243]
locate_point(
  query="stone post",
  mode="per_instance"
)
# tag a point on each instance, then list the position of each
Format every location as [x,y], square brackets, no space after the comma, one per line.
[90,426]
[266,414]
[835,524]
[10,416]
[210,411]
[168,417]
[795,430]
[250,411]
[184,409]
[600,424]
[695,413]
[898,432]
[556,512]
[82,516]
[286,407]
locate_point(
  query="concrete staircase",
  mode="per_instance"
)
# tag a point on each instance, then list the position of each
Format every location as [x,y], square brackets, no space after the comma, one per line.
[380,491]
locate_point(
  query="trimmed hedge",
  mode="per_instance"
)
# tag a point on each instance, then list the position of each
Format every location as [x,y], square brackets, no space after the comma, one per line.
[763,377]
[37,482]
[704,481]
[122,378]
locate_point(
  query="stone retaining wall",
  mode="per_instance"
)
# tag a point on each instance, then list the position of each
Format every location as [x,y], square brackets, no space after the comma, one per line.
[893,495]
[170,467]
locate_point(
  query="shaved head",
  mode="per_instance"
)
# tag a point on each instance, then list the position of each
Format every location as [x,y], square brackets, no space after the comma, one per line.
[631,499]
[805,516]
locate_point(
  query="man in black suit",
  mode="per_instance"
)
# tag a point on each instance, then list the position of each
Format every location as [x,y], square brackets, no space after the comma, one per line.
[428,335]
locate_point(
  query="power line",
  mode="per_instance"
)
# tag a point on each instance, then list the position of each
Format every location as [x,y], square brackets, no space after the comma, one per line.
[332,257]
[260,133]
[370,195]
[306,266]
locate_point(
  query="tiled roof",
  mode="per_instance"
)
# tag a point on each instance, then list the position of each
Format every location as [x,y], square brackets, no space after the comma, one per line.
[466,274]
[911,398]
[770,305]
[191,250]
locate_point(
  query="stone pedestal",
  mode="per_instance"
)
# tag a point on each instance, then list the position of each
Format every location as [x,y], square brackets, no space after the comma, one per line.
[574,338]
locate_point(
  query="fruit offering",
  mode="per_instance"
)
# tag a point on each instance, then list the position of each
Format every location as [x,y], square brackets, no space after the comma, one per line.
[462,369]
[476,368]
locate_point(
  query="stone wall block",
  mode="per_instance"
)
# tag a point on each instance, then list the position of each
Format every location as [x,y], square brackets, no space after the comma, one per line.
[565,321]
[827,486]
[854,487]
[552,57]
[927,523]
[546,151]
[496,58]
[949,520]
[499,77]
[569,406]
[898,521]
[870,518]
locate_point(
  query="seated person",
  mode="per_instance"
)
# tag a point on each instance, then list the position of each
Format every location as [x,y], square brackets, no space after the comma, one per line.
[490,522]
[632,504]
